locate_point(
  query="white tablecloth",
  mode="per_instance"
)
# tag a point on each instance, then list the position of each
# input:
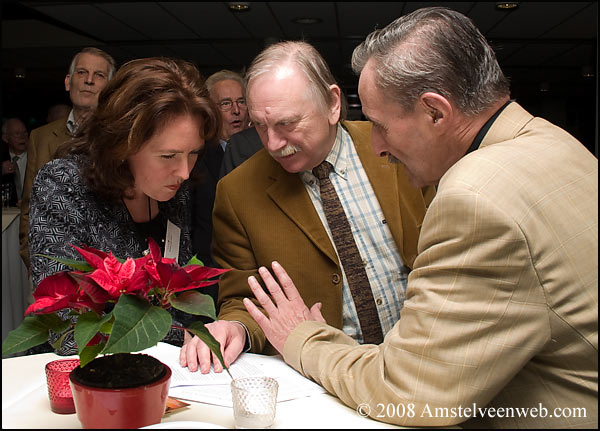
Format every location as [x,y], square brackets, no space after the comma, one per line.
[15,283]
[25,405]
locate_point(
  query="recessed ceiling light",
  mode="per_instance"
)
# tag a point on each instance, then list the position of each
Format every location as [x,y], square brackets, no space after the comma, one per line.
[306,20]
[507,5]
[238,6]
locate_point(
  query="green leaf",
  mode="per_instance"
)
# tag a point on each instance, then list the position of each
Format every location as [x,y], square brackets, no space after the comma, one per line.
[89,353]
[75,264]
[107,326]
[137,326]
[194,261]
[198,329]
[32,332]
[87,326]
[193,302]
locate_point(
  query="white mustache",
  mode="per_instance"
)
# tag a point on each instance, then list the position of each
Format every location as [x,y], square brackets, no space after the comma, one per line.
[288,150]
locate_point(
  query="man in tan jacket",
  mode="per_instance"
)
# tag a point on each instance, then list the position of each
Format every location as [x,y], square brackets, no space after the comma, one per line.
[89,72]
[500,325]
[270,206]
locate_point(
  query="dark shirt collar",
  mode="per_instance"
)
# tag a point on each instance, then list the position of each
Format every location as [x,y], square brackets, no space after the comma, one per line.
[486,127]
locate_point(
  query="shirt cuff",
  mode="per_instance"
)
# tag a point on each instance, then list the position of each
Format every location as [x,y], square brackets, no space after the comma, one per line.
[248,343]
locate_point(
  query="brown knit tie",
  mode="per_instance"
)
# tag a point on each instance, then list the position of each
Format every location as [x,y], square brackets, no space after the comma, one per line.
[350,257]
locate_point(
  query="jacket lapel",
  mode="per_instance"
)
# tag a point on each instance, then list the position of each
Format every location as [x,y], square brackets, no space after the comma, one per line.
[289,194]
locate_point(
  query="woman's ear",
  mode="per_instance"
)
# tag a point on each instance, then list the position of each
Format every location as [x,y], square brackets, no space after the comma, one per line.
[336,104]
[436,106]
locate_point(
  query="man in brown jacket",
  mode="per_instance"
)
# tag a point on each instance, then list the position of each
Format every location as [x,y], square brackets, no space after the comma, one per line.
[89,72]
[270,207]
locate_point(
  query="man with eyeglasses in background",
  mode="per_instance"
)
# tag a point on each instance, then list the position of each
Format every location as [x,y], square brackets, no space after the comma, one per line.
[226,89]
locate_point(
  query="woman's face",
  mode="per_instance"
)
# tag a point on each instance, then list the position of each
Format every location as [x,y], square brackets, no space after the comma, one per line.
[167,158]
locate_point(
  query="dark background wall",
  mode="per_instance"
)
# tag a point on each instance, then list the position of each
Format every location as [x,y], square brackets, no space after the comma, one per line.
[547,49]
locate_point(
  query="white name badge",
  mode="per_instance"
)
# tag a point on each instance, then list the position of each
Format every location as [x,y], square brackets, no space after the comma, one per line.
[172,241]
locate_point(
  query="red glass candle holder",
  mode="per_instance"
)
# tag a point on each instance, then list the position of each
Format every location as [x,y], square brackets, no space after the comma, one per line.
[59,390]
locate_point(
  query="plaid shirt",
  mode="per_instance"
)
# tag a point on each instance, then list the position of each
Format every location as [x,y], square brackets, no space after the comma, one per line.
[383,263]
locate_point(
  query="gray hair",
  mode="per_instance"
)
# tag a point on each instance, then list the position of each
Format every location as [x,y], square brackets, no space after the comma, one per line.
[112,65]
[224,75]
[434,49]
[308,60]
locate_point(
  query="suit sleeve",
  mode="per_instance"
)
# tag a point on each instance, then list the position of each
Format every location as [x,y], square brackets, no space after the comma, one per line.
[232,249]
[475,314]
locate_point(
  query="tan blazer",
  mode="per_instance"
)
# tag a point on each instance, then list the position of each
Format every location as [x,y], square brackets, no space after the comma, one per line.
[502,303]
[263,213]
[43,143]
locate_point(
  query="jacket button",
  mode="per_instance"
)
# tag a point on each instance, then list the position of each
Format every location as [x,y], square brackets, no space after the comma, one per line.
[335,278]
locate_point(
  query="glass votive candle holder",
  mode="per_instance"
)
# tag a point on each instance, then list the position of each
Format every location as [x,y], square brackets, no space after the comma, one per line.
[254,401]
[59,389]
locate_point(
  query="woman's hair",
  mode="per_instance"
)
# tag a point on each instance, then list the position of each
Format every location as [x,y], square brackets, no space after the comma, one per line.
[434,49]
[143,96]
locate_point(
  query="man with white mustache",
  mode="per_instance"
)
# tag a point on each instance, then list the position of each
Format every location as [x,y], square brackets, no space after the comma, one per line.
[269,208]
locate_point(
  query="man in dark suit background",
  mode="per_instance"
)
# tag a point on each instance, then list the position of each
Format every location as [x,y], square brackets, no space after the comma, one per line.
[89,72]
[226,89]
[240,148]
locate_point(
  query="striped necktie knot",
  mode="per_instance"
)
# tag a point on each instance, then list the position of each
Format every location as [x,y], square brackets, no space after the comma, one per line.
[322,171]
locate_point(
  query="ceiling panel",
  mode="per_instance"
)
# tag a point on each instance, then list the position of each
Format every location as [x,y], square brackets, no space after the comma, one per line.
[149,19]
[360,19]
[89,19]
[207,19]
[260,22]
[584,24]
[34,34]
[535,19]
[486,16]
[286,12]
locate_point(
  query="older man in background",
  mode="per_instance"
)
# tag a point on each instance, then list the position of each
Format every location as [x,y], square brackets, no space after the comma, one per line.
[500,325]
[89,72]
[226,89]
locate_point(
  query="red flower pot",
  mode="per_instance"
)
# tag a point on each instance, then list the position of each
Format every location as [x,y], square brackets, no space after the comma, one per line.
[121,408]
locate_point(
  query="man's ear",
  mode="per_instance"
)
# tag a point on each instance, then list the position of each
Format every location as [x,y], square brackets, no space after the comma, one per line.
[68,83]
[436,106]
[335,108]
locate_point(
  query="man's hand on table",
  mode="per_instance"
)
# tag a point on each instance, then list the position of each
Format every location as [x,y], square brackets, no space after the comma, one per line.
[288,311]
[195,354]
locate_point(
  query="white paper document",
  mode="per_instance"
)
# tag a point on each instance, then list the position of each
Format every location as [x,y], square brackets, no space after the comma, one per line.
[214,388]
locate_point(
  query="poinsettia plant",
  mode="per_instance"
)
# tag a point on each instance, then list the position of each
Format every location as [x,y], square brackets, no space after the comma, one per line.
[141,290]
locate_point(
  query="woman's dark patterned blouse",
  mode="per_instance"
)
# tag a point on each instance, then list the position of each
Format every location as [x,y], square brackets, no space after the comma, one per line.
[64,211]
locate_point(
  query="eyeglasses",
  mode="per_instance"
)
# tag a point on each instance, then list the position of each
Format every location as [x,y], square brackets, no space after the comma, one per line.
[226,105]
